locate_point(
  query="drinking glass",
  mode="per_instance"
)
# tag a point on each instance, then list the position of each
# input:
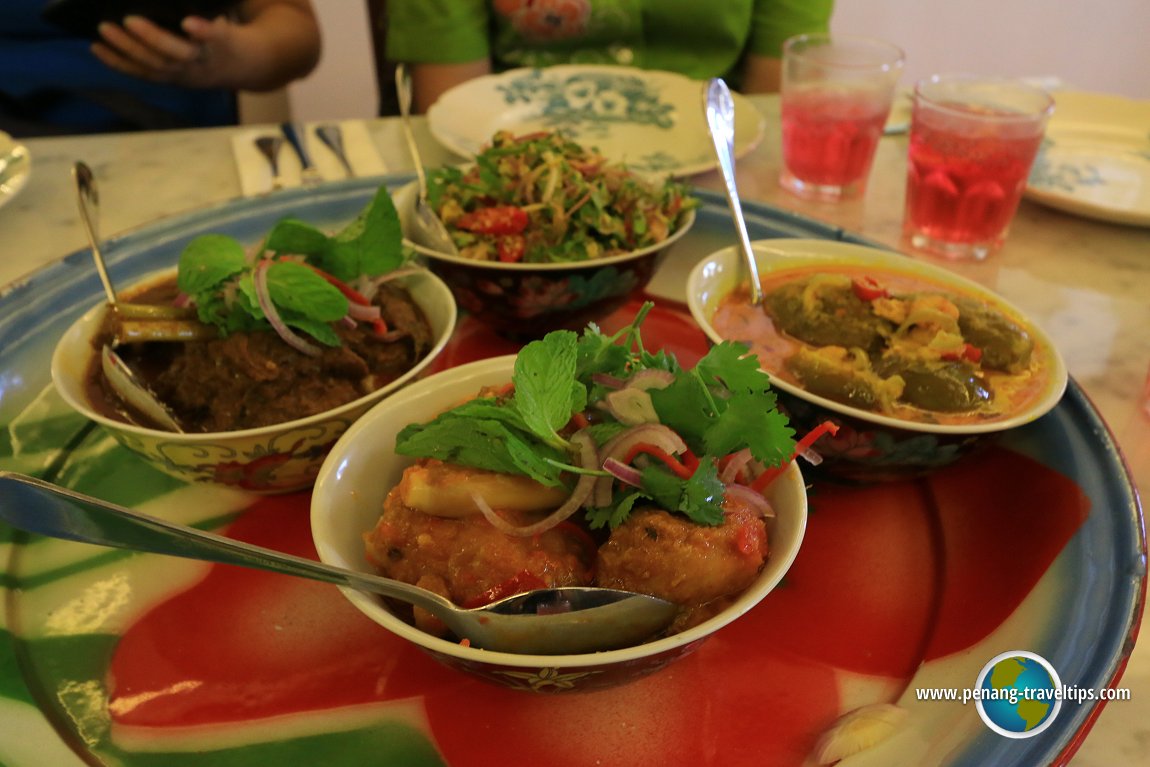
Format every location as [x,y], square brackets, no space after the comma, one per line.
[972,142]
[836,95]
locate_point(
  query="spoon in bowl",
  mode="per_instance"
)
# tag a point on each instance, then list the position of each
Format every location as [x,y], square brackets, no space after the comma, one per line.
[720,110]
[554,621]
[431,231]
[120,376]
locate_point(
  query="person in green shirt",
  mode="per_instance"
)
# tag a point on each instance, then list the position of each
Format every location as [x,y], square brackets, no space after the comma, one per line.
[446,42]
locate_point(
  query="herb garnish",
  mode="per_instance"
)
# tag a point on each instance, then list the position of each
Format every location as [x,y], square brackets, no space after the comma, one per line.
[217,275]
[721,406]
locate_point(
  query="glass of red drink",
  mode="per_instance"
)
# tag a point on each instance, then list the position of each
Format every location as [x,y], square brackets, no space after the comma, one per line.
[836,95]
[972,142]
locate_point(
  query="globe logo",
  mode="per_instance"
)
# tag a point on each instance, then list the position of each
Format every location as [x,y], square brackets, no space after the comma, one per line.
[1018,694]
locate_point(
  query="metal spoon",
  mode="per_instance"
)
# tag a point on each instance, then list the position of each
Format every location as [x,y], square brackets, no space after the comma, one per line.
[431,230]
[297,137]
[720,109]
[541,622]
[332,137]
[121,377]
[269,147]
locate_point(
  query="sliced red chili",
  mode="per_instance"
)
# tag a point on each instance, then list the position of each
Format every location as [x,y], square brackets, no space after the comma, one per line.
[511,248]
[867,288]
[498,219]
[968,352]
[681,470]
[350,293]
[811,437]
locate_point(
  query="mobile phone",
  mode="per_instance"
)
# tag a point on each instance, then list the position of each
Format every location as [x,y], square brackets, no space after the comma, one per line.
[81,17]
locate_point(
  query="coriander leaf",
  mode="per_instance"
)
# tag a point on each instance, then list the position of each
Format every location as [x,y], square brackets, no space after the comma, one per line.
[546,392]
[298,288]
[731,363]
[207,261]
[700,498]
[613,515]
[663,487]
[751,421]
[687,407]
[702,495]
[291,235]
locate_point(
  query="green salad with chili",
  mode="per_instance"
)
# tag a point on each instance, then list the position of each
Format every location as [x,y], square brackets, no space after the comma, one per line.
[543,198]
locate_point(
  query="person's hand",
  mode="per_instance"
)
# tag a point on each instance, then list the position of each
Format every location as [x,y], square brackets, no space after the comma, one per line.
[213,55]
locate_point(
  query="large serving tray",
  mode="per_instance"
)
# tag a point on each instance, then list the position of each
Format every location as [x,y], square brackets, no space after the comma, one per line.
[1036,545]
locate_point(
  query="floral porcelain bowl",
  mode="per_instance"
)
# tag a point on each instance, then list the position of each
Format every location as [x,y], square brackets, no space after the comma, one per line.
[361,470]
[869,446]
[526,301]
[271,459]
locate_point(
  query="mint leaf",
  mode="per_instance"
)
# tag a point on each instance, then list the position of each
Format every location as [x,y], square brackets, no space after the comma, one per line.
[372,244]
[546,391]
[291,235]
[207,261]
[482,444]
[298,288]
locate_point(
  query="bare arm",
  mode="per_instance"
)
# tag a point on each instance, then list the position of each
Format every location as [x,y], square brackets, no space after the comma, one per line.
[761,74]
[430,81]
[267,45]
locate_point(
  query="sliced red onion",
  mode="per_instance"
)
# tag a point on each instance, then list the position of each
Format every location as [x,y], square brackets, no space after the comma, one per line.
[618,446]
[363,313]
[736,463]
[631,406]
[624,473]
[588,459]
[260,278]
[348,322]
[611,382]
[813,458]
[650,378]
[751,498]
[394,275]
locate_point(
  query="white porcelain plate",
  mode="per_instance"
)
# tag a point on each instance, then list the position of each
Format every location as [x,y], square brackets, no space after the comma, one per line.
[1096,164]
[15,167]
[651,120]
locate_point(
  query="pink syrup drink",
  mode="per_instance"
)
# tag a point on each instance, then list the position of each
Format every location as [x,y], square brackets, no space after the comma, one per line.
[967,167]
[835,97]
[829,140]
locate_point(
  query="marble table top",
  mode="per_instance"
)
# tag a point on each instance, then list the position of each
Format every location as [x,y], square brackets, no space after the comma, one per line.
[1085,282]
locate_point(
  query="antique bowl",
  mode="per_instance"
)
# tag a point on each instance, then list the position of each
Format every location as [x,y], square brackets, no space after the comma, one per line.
[522,300]
[363,467]
[272,459]
[870,446]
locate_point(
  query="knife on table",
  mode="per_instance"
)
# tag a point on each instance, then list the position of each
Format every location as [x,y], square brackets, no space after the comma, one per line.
[309,173]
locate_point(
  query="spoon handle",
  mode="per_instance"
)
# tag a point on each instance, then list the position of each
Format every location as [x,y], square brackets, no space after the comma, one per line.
[720,113]
[403,93]
[37,506]
[332,137]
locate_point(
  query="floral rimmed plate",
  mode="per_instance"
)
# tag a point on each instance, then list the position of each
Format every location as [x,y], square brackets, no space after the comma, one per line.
[109,658]
[1095,159]
[652,120]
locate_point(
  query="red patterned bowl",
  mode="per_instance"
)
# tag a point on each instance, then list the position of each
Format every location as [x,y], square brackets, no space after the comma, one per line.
[362,468]
[871,447]
[527,301]
[272,459]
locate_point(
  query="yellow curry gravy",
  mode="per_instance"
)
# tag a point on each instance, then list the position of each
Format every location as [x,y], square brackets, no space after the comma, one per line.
[895,344]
